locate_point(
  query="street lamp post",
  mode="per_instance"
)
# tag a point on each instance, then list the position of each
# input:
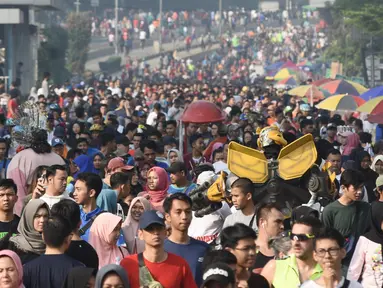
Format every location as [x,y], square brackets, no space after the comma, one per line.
[116,28]
[77,3]
[160,28]
[220,18]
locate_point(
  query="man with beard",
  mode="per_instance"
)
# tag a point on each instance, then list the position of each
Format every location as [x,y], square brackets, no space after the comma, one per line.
[300,266]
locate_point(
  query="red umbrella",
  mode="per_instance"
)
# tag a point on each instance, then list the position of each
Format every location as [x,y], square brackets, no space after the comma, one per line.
[202,112]
[321,82]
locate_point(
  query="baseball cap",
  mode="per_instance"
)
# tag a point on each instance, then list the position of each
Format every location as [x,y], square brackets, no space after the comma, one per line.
[379,181]
[331,126]
[219,272]
[151,217]
[140,113]
[57,141]
[59,132]
[168,140]
[176,167]
[206,176]
[117,163]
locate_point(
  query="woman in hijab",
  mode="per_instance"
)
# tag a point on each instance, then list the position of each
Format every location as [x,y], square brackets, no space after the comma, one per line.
[173,156]
[103,236]
[363,161]
[80,277]
[367,260]
[97,163]
[84,164]
[216,146]
[349,142]
[10,262]
[156,187]
[112,276]
[130,226]
[377,164]
[29,244]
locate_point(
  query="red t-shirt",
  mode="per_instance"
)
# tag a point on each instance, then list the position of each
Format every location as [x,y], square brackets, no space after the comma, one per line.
[174,272]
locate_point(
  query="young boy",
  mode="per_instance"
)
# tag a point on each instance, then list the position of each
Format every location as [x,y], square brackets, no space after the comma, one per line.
[329,252]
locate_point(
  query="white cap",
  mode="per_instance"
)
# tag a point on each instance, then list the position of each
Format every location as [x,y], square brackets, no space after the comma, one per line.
[206,176]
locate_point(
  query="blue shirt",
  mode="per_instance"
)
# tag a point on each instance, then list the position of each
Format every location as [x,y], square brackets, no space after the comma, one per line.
[185,190]
[7,161]
[107,200]
[193,253]
[92,151]
[85,219]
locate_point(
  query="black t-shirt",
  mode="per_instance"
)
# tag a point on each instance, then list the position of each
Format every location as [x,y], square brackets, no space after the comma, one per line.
[261,260]
[84,252]
[258,281]
[9,227]
[48,271]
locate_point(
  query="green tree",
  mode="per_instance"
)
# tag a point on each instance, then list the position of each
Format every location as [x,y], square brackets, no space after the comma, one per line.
[79,34]
[368,19]
[52,54]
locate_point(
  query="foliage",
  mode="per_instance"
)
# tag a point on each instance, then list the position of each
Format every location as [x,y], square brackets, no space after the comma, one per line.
[367,18]
[52,53]
[79,34]
[347,44]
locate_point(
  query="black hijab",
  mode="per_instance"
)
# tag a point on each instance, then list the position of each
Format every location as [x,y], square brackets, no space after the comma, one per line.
[78,277]
[376,233]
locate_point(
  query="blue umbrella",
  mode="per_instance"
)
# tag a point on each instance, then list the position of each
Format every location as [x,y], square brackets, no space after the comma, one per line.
[372,93]
[274,66]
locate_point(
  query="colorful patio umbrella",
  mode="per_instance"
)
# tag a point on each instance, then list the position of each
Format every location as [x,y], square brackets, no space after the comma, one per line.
[373,106]
[289,81]
[344,87]
[275,66]
[321,81]
[372,93]
[285,73]
[342,102]
[310,91]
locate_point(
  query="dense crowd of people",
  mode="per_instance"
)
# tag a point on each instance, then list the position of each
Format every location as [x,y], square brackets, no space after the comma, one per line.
[95,191]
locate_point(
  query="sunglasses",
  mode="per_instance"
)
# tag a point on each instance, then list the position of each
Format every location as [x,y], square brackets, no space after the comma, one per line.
[301,237]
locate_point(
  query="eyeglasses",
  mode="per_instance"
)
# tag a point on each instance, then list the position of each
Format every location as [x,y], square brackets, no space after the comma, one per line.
[247,249]
[301,237]
[332,251]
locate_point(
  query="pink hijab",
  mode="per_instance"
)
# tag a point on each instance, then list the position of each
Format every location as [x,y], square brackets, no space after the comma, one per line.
[158,195]
[130,228]
[352,142]
[102,227]
[17,261]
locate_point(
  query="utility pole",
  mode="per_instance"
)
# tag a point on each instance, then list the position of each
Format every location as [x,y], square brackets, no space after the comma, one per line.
[116,28]
[77,3]
[160,28]
[372,63]
[220,18]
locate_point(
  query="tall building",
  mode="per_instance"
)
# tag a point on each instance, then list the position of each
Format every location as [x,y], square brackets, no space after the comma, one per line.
[19,38]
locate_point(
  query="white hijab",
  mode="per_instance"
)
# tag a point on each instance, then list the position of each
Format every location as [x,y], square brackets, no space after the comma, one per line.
[180,158]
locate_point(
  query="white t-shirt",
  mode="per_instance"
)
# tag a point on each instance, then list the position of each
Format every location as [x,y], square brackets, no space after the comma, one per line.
[209,227]
[142,35]
[239,217]
[312,284]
